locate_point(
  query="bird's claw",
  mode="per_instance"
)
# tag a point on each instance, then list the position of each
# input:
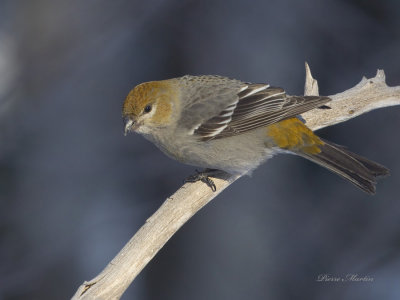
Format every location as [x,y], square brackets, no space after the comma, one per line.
[203,177]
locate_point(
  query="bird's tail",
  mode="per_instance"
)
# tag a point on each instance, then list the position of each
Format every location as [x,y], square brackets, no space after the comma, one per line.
[357,169]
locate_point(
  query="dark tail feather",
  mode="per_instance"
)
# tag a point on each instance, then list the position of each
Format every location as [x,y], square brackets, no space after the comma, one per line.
[357,169]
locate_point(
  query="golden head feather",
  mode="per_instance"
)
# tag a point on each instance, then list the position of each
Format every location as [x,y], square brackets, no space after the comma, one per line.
[151,103]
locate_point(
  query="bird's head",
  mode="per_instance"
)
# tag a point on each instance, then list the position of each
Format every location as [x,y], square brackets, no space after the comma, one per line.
[149,106]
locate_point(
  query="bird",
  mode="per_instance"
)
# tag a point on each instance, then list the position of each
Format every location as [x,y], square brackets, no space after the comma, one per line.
[223,124]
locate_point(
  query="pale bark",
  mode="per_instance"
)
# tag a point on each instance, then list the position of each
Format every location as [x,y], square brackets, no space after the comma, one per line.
[112,282]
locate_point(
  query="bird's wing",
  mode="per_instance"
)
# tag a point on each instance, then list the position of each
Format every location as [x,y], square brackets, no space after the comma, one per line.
[257,105]
[205,96]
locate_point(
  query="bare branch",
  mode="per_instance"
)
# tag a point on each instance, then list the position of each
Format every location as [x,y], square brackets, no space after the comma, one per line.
[311,85]
[112,282]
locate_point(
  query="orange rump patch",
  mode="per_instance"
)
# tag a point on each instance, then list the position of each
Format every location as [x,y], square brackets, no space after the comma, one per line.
[292,134]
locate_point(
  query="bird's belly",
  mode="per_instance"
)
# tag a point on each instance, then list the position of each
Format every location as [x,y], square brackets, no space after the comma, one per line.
[233,155]
[236,155]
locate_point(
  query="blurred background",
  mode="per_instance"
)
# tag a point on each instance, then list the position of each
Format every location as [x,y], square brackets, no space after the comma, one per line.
[73,189]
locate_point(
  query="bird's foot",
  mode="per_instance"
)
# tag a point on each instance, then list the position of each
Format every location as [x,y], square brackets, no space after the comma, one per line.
[204,176]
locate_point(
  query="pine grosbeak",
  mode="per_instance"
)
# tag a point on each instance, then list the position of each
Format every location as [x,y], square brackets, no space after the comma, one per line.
[225,124]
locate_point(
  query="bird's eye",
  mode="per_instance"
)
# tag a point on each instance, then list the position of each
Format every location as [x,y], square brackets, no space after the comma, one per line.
[147,109]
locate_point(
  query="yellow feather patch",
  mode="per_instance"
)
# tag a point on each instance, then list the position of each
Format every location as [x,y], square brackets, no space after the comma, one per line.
[293,135]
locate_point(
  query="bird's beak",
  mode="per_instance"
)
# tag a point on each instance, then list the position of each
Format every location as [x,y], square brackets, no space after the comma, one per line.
[128,123]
